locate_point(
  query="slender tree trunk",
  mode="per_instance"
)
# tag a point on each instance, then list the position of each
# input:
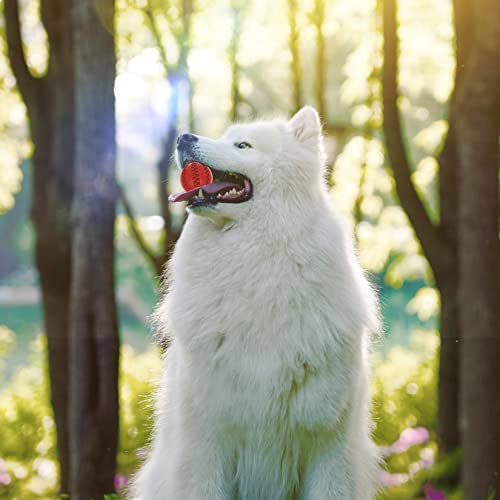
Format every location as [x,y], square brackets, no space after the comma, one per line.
[295,64]
[439,242]
[447,278]
[51,219]
[53,252]
[181,84]
[168,238]
[477,108]
[318,17]
[56,227]
[448,387]
[49,102]
[94,332]
[236,15]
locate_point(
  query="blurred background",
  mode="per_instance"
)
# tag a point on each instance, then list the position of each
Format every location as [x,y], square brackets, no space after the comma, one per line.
[92,97]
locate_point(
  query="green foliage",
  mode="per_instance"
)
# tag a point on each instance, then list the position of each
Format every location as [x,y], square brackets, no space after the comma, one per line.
[27,454]
[28,461]
[138,377]
[404,413]
[404,398]
[7,341]
[14,145]
[442,476]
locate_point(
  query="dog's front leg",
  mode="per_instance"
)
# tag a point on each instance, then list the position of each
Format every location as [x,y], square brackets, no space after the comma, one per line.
[323,391]
[188,458]
[201,466]
[186,463]
[332,403]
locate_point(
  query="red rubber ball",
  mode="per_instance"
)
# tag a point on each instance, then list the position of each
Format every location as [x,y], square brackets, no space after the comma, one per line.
[194,175]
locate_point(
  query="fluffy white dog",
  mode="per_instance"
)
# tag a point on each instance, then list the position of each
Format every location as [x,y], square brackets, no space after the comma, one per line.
[265,390]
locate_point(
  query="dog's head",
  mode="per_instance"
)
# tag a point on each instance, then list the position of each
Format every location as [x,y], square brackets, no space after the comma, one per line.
[255,166]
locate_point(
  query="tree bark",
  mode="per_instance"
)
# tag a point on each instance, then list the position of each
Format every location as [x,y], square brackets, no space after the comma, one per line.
[439,242]
[94,331]
[477,108]
[318,18]
[429,235]
[449,373]
[49,102]
[295,64]
[448,277]
[233,49]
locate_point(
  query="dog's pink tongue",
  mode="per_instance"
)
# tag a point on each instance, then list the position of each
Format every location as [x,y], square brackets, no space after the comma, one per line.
[213,189]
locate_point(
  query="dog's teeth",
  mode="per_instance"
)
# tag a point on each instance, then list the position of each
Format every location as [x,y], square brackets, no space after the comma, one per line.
[200,193]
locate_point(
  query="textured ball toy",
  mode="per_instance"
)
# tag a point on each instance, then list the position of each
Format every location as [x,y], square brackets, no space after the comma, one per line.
[194,175]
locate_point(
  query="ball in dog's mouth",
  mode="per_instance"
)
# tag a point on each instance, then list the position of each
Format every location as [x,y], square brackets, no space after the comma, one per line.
[194,175]
[207,186]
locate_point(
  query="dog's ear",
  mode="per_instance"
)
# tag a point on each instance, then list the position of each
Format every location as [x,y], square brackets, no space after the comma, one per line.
[306,127]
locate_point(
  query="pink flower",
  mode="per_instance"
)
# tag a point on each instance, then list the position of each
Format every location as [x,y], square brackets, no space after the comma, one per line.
[432,494]
[389,479]
[120,482]
[427,458]
[4,478]
[410,437]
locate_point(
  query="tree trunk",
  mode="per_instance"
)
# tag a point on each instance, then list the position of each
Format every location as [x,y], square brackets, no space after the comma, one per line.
[318,16]
[233,49]
[295,64]
[447,278]
[94,332]
[438,242]
[477,110]
[448,387]
[49,102]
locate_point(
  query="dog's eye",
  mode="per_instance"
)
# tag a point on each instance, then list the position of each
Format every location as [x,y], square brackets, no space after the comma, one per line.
[243,145]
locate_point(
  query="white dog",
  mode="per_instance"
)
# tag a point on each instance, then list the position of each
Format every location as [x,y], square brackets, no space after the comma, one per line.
[265,390]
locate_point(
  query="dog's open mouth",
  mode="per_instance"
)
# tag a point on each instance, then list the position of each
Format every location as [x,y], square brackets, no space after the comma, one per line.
[226,187]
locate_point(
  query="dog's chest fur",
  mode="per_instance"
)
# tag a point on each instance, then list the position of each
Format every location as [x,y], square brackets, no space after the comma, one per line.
[253,318]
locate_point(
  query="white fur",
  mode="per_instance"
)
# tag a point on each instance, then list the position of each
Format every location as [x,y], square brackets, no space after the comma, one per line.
[265,390]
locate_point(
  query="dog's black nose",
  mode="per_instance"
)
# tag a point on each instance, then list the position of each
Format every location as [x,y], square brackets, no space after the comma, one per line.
[186,139]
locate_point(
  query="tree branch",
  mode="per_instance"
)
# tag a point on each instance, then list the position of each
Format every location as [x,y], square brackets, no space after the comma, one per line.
[26,82]
[183,37]
[463,12]
[48,14]
[264,88]
[318,18]
[136,232]
[148,12]
[176,75]
[428,234]
[163,168]
[233,59]
[293,46]
[357,212]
